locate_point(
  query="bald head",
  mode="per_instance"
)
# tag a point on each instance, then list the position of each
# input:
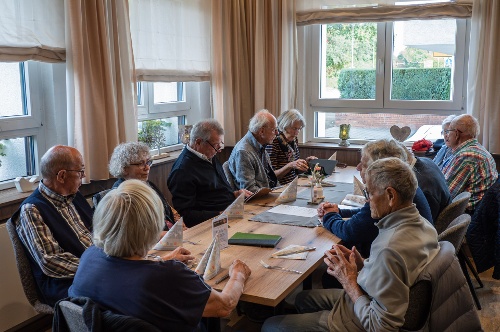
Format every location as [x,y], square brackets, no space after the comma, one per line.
[57,158]
[468,126]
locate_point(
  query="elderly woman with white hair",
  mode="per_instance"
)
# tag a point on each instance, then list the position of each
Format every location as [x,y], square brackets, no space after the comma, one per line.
[118,274]
[284,150]
[445,150]
[131,160]
[376,290]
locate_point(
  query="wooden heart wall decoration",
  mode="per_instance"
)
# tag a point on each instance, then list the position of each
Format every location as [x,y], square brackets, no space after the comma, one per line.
[400,134]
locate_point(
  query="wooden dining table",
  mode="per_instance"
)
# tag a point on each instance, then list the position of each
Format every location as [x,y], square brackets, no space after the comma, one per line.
[265,286]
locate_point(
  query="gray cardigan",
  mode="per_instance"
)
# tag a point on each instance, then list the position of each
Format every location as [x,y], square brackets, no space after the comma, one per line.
[245,163]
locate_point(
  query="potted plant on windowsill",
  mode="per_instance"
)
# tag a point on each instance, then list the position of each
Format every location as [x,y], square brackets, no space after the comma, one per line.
[2,153]
[153,135]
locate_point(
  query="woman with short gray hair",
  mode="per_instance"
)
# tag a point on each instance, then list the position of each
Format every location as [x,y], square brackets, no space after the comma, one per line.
[131,160]
[119,274]
[284,151]
[445,151]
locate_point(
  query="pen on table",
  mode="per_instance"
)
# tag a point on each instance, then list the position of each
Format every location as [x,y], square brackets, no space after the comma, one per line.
[221,279]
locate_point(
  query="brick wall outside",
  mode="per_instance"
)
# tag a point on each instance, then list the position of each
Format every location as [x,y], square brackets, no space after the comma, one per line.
[387,120]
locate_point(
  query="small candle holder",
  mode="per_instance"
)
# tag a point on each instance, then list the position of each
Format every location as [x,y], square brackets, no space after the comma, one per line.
[185,133]
[344,134]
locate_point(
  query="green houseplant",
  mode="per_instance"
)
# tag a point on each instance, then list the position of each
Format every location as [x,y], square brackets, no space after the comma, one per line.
[2,152]
[152,134]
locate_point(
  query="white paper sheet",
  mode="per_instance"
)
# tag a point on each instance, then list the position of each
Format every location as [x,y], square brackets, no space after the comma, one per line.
[294,210]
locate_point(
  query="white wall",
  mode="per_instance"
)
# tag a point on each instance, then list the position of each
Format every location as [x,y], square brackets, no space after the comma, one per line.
[14,307]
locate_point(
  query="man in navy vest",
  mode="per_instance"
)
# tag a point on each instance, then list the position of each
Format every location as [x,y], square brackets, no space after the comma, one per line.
[54,223]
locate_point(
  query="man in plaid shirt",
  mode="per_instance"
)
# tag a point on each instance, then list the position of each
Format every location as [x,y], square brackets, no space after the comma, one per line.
[470,167]
[54,223]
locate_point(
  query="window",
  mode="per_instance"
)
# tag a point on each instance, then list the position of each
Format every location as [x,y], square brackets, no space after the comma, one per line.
[162,106]
[18,126]
[375,75]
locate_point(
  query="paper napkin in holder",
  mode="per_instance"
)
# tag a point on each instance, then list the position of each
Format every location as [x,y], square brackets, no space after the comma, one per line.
[289,194]
[173,238]
[358,187]
[209,265]
[333,156]
[236,208]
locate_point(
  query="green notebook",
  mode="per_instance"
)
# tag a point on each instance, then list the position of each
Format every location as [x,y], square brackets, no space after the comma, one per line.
[252,239]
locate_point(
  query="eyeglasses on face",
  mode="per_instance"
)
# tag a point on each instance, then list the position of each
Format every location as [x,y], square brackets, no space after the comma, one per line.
[219,147]
[80,171]
[446,132]
[296,128]
[274,129]
[365,193]
[143,163]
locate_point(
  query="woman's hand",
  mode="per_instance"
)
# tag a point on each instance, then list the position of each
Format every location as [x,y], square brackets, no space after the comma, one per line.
[180,254]
[242,191]
[299,164]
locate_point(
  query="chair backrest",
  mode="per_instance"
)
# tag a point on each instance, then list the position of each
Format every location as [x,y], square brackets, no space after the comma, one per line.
[82,314]
[452,307]
[98,196]
[455,232]
[419,306]
[452,211]
[73,314]
[25,274]
[229,175]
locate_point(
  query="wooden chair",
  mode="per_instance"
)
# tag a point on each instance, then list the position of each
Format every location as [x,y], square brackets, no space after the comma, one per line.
[26,275]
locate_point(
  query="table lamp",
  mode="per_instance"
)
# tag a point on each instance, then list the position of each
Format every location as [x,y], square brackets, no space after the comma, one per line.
[344,134]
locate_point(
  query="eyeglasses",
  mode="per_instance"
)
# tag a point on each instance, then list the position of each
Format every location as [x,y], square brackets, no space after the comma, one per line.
[446,132]
[296,129]
[275,129]
[365,193]
[81,171]
[220,146]
[143,163]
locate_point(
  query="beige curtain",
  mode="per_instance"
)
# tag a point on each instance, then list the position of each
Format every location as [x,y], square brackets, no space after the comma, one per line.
[253,61]
[102,107]
[484,72]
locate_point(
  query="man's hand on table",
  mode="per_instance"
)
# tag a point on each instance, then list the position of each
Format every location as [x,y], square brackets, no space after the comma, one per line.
[327,207]
[243,191]
[239,268]
[180,253]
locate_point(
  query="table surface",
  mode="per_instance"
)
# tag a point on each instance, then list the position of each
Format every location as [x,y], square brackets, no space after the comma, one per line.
[267,287]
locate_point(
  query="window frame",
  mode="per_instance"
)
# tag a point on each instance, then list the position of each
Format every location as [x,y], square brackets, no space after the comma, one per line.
[31,124]
[151,111]
[382,103]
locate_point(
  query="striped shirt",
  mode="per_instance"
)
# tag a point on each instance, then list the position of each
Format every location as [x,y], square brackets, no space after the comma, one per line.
[470,168]
[283,153]
[38,239]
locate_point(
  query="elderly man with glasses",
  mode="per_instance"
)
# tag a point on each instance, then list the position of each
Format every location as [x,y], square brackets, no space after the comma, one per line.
[199,187]
[469,167]
[249,162]
[55,222]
